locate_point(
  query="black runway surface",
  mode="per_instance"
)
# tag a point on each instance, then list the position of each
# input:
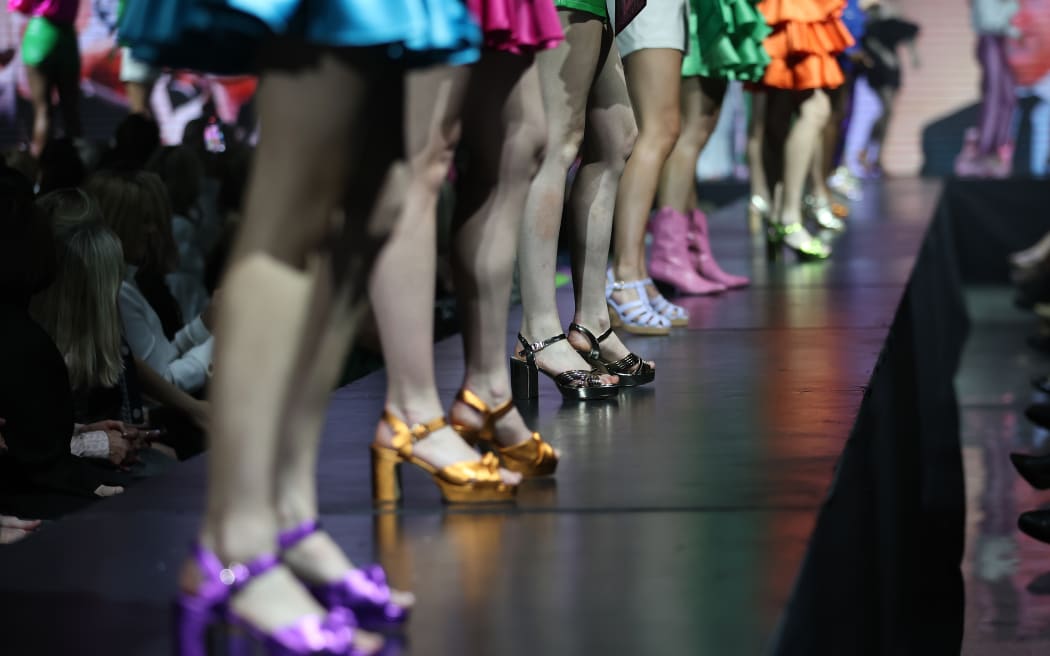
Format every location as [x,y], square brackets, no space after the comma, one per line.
[677,524]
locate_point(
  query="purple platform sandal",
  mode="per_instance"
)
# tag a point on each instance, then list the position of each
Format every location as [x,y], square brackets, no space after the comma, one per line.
[205,624]
[363,591]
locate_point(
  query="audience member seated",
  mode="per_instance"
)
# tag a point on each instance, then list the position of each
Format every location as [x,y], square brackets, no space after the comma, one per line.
[134,142]
[195,223]
[136,208]
[35,398]
[60,166]
[13,529]
[22,161]
[80,312]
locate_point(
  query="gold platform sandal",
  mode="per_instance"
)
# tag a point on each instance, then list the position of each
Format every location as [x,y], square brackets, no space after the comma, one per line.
[632,370]
[532,458]
[475,481]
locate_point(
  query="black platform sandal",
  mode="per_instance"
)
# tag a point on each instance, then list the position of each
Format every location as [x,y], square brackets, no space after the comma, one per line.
[575,384]
[632,370]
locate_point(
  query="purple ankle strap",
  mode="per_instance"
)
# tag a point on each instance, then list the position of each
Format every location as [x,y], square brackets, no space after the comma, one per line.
[234,575]
[293,536]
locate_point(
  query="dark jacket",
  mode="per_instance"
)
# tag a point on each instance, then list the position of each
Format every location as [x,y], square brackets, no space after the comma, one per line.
[37,404]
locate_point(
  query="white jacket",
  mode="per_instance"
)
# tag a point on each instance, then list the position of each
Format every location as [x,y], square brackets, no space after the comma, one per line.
[183,362]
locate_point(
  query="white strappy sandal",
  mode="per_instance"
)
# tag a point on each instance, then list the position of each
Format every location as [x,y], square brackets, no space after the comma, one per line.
[637,317]
[676,314]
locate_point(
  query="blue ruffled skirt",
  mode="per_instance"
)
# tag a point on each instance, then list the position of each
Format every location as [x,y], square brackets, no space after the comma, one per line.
[224,36]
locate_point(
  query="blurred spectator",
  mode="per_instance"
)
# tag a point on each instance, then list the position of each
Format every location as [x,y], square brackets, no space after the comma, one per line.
[60,166]
[80,311]
[195,223]
[22,161]
[136,208]
[136,139]
[35,398]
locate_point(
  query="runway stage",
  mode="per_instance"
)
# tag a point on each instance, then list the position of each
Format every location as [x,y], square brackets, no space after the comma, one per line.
[700,516]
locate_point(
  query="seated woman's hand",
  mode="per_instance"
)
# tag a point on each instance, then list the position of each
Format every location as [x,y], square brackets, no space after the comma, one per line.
[208,316]
[13,529]
[106,425]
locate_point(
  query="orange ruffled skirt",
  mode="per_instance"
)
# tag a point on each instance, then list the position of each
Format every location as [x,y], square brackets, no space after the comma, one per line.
[806,39]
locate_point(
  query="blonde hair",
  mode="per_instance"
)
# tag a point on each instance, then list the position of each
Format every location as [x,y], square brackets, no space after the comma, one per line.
[79,310]
[136,207]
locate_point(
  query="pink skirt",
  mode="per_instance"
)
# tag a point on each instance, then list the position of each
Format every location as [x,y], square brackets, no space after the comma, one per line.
[518,26]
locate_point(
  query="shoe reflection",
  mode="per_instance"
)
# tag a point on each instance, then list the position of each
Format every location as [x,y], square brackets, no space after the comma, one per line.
[470,539]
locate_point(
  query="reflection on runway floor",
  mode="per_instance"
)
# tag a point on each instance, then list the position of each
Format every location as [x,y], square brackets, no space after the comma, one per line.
[1007,573]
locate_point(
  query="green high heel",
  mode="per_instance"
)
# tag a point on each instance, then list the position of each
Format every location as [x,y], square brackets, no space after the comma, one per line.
[810,250]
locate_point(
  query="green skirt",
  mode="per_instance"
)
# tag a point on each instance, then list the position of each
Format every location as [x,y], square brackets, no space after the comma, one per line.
[51,46]
[725,40]
[596,7]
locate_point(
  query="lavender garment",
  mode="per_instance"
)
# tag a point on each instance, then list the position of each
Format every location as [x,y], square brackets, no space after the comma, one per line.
[998,93]
[60,11]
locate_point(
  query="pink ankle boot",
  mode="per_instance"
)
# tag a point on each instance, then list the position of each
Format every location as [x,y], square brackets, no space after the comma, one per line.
[669,262]
[702,257]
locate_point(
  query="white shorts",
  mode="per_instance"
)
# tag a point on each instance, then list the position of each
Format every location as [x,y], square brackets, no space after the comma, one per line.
[662,24]
[135,70]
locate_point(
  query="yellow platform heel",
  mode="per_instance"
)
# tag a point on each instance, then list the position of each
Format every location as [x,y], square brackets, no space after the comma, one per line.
[532,458]
[475,481]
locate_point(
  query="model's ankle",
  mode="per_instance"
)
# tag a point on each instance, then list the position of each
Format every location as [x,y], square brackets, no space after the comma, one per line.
[492,387]
[241,536]
[416,409]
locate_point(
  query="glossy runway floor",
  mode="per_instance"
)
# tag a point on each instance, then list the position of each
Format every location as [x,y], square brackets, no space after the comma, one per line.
[1007,573]
[677,521]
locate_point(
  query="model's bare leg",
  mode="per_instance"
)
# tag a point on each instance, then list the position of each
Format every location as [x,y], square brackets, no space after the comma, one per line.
[566,74]
[701,104]
[654,77]
[802,142]
[505,133]
[756,148]
[138,95]
[297,182]
[403,280]
[608,140]
[68,87]
[40,96]
[879,129]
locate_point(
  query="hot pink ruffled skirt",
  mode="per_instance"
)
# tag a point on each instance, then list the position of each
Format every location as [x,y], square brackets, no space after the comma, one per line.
[518,26]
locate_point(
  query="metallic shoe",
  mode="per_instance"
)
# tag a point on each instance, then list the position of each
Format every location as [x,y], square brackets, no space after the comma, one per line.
[632,370]
[475,481]
[206,623]
[574,385]
[819,210]
[363,591]
[531,458]
[811,249]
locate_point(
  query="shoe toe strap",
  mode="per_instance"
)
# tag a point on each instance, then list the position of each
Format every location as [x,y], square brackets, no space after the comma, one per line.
[578,378]
[533,450]
[484,471]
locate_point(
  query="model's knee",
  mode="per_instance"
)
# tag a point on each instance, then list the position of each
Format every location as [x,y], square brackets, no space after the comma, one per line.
[658,140]
[528,148]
